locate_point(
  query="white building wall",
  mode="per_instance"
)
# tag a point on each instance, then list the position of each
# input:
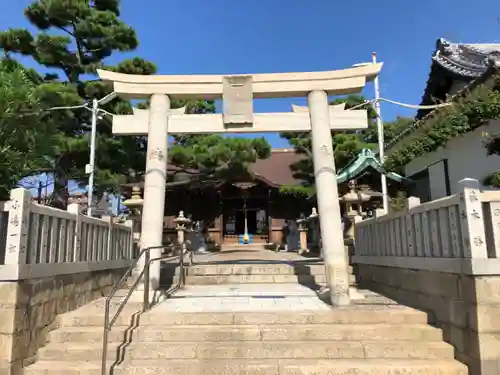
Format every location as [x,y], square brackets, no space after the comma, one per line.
[466,157]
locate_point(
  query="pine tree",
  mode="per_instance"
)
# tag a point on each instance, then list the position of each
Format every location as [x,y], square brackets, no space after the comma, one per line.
[75,38]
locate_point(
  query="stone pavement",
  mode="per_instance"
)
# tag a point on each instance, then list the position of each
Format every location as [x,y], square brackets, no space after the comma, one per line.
[252,255]
[248,295]
[243,297]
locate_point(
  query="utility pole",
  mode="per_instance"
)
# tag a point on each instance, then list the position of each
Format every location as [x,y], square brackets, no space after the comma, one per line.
[90,167]
[380,131]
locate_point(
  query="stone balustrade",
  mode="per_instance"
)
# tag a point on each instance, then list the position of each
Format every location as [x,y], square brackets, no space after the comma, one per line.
[54,262]
[442,257]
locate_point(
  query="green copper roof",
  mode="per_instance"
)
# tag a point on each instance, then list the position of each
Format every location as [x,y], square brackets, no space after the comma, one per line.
[366,158]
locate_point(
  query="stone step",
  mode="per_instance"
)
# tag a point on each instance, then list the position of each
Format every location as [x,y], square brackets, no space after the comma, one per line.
[348,315]
[294,332]
[258,367]
[257,279]
[255,269]
[252,350]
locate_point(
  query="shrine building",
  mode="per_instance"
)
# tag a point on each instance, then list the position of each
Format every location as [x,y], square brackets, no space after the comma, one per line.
[256,195]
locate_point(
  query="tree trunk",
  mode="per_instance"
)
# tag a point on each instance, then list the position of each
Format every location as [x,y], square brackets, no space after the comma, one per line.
[60,195]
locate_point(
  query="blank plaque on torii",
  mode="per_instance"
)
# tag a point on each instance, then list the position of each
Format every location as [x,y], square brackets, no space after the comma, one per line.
[237,96]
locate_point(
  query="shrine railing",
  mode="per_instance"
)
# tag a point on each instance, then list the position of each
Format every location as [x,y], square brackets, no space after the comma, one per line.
[457,234]
[41,241]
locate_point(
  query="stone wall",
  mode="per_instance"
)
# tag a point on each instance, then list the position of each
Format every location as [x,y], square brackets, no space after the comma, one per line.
[466,308]
[28,311]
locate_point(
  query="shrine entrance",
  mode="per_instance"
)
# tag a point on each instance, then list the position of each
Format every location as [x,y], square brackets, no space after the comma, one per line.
[245,214]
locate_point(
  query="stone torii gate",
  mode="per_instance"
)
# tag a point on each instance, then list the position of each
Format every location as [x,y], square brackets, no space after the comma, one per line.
[237,93]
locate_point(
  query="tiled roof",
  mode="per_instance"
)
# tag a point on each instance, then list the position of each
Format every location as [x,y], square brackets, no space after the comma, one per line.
[469,63]
[464,59]
[274,171]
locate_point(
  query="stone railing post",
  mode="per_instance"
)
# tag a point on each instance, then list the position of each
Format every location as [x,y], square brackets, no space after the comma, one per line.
[18,227]
[74,208]
[410,203]
[130,224]
[472,219]
[110,254]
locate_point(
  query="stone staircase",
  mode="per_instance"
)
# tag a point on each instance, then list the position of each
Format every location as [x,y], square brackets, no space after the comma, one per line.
[372,336]
[312,275]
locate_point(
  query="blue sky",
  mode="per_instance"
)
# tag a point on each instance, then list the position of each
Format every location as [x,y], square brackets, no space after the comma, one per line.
[230,36]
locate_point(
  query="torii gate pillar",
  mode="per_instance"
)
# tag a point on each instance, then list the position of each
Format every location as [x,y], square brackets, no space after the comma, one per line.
[155,182]
[327,197]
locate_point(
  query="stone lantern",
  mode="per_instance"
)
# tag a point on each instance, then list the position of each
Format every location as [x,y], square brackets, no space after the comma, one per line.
[181,226]
[313,219]
[181,221]
[353,201]
[134,204]
[302,223]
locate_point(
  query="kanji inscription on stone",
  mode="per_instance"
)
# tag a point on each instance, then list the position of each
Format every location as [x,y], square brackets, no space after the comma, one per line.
[14,204]
[156,154]
[15,221]
[325,149]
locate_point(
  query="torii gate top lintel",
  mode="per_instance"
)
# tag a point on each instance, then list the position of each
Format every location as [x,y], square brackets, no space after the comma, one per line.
[264,85]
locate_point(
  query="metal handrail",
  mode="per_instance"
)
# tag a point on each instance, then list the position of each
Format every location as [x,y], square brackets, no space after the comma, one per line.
[108,323]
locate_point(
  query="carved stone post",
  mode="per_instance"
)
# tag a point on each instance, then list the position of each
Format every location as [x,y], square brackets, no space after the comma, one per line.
[472,220]
[18,227]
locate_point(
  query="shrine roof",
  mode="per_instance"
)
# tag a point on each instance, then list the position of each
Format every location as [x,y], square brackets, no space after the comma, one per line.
[464,59]
[273,171]
[460,61]
[472,64]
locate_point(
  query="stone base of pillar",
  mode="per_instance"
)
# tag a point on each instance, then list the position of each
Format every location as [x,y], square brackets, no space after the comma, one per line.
[337,301]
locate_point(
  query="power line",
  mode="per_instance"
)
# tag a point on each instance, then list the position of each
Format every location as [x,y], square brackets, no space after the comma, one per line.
[412,106]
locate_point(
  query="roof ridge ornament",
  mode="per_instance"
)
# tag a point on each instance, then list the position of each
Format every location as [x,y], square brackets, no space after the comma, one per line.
[493,60]
[444,46]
